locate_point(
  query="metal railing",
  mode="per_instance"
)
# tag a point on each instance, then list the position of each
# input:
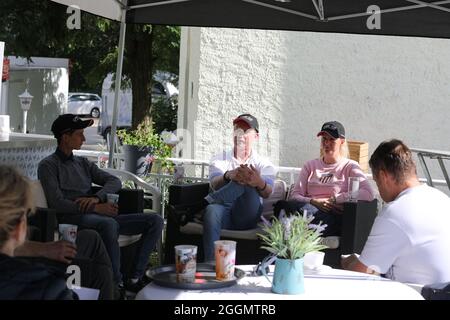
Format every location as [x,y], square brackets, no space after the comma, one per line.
[287,174]
[438,155]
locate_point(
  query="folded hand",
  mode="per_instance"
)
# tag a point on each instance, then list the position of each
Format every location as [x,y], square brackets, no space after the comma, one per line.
[107,209]
[86,202]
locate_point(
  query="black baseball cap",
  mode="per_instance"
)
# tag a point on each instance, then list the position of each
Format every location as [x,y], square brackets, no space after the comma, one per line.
[66,122]
[248,119]
[334,129]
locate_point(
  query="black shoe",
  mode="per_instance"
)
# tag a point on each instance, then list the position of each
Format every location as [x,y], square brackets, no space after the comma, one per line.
[120,293]
[135,287]
[179,214]
[186,213]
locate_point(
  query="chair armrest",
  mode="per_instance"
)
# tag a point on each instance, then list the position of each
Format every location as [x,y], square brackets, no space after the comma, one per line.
[131,201]
[45,221]
[357,222]
[436,291]
[151,192]
[185,194]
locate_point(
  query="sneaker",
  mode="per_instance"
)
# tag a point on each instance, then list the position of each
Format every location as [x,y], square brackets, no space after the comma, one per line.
[332,242]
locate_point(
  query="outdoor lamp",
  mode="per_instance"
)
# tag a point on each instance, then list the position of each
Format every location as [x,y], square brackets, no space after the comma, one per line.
[25,103]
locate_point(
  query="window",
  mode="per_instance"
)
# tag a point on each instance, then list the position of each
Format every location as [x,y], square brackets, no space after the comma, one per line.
[158,89]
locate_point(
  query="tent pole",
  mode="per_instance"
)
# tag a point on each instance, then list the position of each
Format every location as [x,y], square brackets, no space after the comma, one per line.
[117,85]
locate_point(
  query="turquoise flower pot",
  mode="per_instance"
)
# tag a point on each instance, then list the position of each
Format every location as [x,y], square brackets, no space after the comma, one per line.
[288,277]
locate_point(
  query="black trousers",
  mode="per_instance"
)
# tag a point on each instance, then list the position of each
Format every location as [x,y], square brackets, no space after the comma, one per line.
[93,261]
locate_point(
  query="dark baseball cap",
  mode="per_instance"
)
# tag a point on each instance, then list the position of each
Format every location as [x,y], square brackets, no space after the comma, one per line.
[66,122]
[334,129]
[248,119]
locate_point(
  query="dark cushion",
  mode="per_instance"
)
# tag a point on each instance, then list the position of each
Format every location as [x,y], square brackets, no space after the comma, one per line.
[187,194]
[131,201]
[436,291]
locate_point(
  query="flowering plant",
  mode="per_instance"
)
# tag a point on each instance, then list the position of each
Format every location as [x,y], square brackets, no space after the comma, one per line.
[290,237]
[144,136]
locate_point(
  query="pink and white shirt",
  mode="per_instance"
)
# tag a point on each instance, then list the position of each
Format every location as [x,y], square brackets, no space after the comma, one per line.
[320,180]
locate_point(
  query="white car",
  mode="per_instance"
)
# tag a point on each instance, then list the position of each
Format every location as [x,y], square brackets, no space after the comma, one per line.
[84,104]
[163,89]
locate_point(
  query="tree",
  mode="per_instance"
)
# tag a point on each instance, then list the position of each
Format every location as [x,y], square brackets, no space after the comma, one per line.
[38,28]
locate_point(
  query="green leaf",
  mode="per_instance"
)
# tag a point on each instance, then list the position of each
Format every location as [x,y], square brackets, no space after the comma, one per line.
[301,239]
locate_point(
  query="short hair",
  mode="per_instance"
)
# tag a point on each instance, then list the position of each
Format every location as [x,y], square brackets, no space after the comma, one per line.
[59,137]
[394,157]
[16,200]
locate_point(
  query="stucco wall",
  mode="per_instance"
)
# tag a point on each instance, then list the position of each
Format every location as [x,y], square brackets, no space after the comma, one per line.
[378,87]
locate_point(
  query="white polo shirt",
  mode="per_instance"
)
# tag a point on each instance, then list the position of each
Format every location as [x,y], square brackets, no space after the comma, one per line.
[226,161]
[410,238]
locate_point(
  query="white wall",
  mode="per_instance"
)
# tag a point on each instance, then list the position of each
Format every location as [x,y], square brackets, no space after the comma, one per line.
[378,87]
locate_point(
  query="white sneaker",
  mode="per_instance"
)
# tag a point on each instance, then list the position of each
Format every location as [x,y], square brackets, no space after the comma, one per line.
[332,242]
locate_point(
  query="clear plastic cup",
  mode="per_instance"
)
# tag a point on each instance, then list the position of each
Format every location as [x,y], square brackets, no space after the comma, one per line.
[225,252]
[353,189]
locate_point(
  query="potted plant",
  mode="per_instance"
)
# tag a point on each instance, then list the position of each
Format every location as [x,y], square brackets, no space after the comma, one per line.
[142,148]
[288,239]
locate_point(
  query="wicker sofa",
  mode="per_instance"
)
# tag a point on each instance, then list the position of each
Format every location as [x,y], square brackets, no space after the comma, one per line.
[357,222]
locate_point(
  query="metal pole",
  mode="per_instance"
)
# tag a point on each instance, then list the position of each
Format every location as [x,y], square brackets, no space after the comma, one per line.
[123,27]
[444,171]
[24,129]
[424,166]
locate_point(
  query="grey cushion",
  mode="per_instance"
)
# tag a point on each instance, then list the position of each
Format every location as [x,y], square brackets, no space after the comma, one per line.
[197,228]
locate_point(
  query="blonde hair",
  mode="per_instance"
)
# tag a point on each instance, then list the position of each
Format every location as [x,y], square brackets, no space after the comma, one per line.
[343,151]
[15,200]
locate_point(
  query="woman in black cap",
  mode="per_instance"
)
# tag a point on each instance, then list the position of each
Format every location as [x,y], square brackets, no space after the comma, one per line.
[322,186]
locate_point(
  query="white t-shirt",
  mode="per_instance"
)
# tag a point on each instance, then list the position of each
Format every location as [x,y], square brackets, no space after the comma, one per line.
[410,239]
[226,161]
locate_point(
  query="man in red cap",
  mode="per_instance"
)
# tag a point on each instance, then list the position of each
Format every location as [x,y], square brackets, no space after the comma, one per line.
[241,179]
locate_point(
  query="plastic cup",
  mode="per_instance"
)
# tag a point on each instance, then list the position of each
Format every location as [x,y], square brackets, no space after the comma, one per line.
[68,232]
[185,263]
[313,259]
[112,198]
[225,252]
[353,189]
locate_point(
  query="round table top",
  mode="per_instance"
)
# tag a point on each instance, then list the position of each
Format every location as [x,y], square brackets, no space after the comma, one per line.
[323,283]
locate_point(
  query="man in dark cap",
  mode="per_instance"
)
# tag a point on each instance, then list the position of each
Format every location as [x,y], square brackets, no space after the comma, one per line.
[67,182]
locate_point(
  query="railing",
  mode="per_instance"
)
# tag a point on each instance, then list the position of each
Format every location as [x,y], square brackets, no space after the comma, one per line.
[288,174]
[291,172]
[438,155]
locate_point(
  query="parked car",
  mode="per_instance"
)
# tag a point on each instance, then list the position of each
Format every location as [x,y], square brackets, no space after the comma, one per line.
[84,104]
[164,88]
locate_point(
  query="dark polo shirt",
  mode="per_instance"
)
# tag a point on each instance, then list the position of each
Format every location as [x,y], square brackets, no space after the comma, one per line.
[66,178]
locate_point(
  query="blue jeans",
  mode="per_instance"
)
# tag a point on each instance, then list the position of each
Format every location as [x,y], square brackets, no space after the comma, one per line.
[109,228]
[233,207]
